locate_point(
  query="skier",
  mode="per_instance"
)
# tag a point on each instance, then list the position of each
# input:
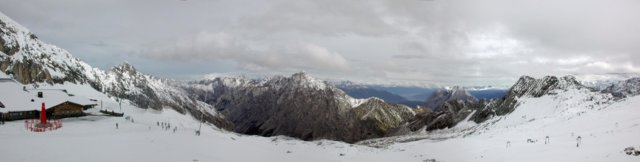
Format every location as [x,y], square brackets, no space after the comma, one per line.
[175,129]
[546,140]
[116,125]
[578,140]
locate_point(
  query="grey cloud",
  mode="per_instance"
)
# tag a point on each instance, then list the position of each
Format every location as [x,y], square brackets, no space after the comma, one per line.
[262,57]
[408,56]
[439,42]
[327,17]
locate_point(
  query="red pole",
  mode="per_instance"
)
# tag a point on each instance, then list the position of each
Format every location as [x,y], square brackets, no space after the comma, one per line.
[43,115]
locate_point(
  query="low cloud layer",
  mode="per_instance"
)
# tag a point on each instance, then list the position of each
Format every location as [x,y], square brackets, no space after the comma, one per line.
[442,42]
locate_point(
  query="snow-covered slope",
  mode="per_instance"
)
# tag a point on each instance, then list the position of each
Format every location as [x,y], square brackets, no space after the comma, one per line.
[605,125]
[31,61]
[606,129]
[526,87]
[95,138]
[300,106]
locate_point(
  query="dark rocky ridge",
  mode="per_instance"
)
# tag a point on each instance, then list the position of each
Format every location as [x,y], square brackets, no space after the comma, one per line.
[525,86]
[445,109]
[626,88]
[455,108]
[442,96]
[299,106]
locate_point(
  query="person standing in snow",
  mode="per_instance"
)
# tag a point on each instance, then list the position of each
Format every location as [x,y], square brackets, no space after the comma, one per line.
[546,140]
[578,140]
[116,125]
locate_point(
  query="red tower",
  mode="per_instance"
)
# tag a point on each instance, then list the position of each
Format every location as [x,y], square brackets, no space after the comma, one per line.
[43,115]
[42,126]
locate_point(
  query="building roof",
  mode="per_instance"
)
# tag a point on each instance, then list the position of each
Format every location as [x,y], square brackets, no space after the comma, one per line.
[15,98]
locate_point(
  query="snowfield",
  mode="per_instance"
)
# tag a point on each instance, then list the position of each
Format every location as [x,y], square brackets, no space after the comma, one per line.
[606,129]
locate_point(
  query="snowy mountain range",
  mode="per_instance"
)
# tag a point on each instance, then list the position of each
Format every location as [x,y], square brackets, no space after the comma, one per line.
[453,124]
[31,61]
[298,105]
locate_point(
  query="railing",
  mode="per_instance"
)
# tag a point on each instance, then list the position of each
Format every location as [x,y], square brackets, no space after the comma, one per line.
[34,125]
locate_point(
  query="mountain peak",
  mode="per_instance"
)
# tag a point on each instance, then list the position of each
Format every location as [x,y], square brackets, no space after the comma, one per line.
[300,74]
[441,96]
[124,67]
[527,85]
[302,78]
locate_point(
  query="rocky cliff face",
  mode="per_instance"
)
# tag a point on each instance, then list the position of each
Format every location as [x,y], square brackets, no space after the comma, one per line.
[30,60]
[626,88]
[299,106]
[526,87]
[442,96]
[447,108]
[379,118]
[452,109]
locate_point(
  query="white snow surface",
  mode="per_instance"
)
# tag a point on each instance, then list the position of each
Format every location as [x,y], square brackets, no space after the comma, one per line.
[606,129]
[355,102]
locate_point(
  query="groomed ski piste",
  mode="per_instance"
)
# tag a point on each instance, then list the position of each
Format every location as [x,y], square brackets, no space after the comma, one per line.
[606,127]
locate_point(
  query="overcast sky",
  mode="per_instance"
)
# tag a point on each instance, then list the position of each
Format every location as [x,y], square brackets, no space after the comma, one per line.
[440,42]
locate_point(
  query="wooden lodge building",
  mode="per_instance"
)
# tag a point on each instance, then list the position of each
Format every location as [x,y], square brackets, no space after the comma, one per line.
[62,110]
[18,103]
[67,109]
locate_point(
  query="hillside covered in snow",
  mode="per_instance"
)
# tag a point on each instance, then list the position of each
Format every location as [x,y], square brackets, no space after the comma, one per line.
[299,117]
[605,126]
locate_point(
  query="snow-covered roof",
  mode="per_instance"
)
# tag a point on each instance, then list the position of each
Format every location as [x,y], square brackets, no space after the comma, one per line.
[15,98]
